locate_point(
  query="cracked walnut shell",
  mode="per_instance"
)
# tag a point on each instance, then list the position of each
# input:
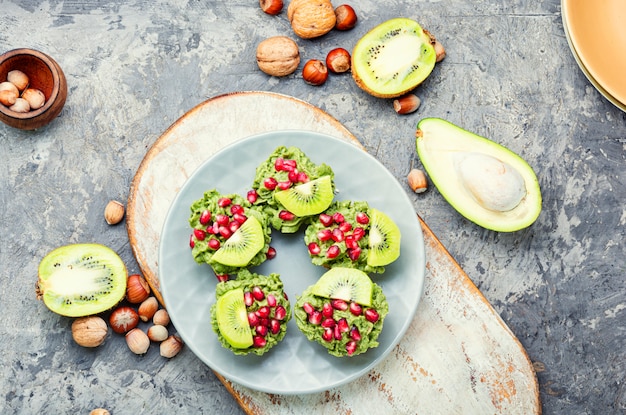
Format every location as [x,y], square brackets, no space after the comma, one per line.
[311,18]
[278,56]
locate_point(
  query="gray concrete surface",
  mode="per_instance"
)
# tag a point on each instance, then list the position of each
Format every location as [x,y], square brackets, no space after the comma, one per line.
[134,67]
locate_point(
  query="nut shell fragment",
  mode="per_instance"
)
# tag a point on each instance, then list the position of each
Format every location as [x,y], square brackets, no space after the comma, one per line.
[278,56]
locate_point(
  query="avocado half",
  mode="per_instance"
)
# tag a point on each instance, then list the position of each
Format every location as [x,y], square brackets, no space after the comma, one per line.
[484,181]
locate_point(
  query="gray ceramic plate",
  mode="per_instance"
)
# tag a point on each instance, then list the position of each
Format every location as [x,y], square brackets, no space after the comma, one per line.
[295,366]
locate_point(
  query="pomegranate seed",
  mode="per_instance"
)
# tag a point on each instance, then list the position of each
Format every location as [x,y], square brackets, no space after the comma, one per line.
[225,232]
[209,230]
[354,253]
[351,347]
[261,330]
[192,242]
[221,277]
[258,341]
[358,233]
[263,312]
[236,209]
[279,164]
[222,220]
[351,243]
[205,217]
[314,249]
[355,309]
[371,315]
[362,218]
[332,252]
[274,326]
[355,334]
[327,310]
[285,295]
[199,234]
[264,322]
[248,300]
[343,325]
[328,323]
[340,305]
[280,313]
[293,176]
[223,202]
[337,235]
[252,196]
[271,300]
[337,334]
[214,244]
[215,228]
[324,235]
[258,293]
[253,319]
[271,253]
[326,220]
[302,177]
[345,227]
[270,183]
[286,215]
[290,164]
[240,218]
[233,226]
[315,318]
[308,308]
[338,217]
[283,185]
[328,334]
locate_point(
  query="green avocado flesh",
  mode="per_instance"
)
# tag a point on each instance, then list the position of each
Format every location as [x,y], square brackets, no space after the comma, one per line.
[393,58]
[484,181]
[81,279]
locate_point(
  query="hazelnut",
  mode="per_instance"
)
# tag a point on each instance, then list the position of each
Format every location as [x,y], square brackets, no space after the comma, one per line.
[147,309]
[406,104]
[137,289]
[315,72]
[171,346]
[278,56]
[20,105]
[7,98]
[417,181]
[114,212]
[137,341]
[272,7]
[89,331]
[35,98]
[338,60]
[311,18]
[346,17]
[99,411]
[161,317]
[440,51]
[8,86]
[18,78]
[157,333]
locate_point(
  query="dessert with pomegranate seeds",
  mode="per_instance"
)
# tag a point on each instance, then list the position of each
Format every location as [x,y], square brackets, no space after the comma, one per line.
[351,234]
[228,233]
[343,311]
[290,188]
[251,313]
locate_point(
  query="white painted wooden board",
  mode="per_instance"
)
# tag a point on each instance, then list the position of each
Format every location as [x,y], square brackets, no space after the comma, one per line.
[458,356]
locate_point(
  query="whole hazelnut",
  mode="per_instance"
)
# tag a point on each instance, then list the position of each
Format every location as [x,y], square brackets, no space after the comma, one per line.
[311,18]
[314,72]
[157,333]
[346,17]
[338,60]
[171,346]
[271,7]
[18,78]
[20,105]
[114,212]
[7,98]
[137,289]
[89,331]
[137,341]
[99,411]
[8,86]
[161,317]
[278,56]
[417,181]
[147,309]
[35,98]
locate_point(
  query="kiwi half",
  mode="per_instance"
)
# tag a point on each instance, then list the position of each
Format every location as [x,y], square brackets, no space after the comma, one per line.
[243,244]
[81,279]
[232,319]
[309,198]
[384,239]
[393,58]
[346,284]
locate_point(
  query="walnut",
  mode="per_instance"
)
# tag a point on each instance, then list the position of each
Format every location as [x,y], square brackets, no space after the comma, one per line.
[311,18]
[278,56]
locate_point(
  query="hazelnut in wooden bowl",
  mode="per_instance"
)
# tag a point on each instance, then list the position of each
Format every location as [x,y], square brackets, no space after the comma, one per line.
[41,89]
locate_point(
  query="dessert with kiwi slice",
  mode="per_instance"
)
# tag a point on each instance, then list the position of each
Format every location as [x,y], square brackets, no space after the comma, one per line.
[251,313]
[289,187]
[228,233]
[354,235]
[343,311]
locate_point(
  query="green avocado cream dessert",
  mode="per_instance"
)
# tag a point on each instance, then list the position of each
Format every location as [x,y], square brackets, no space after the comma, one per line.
[353,235]
[343,311]
[251,313]
[290,188]
[228,233]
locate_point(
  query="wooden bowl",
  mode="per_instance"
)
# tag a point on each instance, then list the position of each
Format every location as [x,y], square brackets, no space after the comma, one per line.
[43,74]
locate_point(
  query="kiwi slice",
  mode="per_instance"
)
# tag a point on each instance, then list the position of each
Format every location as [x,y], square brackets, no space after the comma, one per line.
[393,58]
[232,319]
[384,239]
[243,244]
[81,279]
[309,198]
[348,284]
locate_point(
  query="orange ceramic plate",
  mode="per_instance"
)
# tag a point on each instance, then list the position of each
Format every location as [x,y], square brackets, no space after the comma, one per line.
[597,32]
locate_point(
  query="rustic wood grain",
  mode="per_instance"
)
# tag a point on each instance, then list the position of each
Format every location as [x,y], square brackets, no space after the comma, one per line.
[457,356]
